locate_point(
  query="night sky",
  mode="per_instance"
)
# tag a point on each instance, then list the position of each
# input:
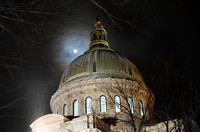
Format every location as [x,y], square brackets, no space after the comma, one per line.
[32,61]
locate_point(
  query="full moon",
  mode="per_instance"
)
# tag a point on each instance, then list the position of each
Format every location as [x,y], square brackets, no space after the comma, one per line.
[75,51]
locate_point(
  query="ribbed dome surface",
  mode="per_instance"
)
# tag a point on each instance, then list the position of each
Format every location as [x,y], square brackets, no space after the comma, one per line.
[100,63]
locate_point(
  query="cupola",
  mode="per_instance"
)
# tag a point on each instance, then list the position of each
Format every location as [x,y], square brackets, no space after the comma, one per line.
[98,37]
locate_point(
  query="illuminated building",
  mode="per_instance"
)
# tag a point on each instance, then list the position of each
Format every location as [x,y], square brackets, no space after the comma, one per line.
[100,90]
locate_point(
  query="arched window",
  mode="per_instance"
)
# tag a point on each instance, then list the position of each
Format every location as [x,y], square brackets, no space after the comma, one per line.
[75,108]
[117,104]
[103,104]
[94,36]
[149,113]
[104,36]
[142,108]
[131,105]
[65,110]
[56,111]
[88,105]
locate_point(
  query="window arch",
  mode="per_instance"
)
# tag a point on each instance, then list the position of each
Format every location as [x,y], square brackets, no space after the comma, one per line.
[94,36]
[117,104]
[131,105]
[142,108]
[75,108]
[149,113]
[104,36]
[88,105]
[65,110]
[103,104]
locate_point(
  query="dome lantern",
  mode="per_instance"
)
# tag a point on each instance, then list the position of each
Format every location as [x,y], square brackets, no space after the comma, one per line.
[98,37]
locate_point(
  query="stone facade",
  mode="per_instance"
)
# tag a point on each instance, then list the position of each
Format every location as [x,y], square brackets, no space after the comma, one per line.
[94,88]
[59,123]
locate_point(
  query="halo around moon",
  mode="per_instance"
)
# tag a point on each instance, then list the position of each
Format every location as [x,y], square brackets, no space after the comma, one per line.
[75,51]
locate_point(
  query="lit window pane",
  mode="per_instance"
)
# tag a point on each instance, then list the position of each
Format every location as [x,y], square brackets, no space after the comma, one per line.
[75,108]
[131,105]
[88,105]
[65,110]
[103,106]
[142,108]
[117,104]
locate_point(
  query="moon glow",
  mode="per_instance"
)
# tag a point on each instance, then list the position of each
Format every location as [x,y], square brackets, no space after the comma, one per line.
[75,51]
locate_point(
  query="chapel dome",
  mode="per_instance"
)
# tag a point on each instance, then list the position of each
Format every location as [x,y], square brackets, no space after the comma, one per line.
[100,62]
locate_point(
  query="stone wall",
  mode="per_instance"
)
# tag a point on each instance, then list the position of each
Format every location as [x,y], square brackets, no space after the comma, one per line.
[110,87]
[85,124]
[59,123]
